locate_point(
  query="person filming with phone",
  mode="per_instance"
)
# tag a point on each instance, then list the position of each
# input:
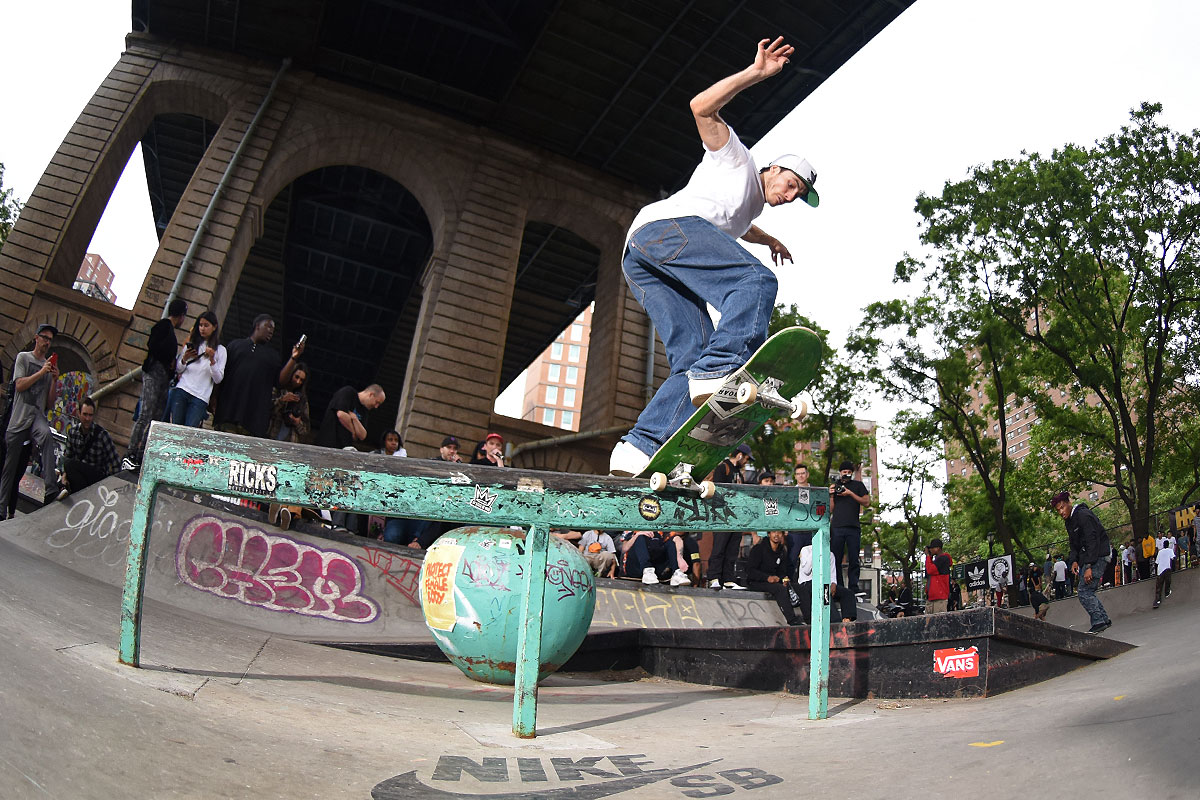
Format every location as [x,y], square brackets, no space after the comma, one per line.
[35,388]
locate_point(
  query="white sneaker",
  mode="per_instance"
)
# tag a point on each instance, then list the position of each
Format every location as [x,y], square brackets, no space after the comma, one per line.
[626,460]
[648,576]
[680,578]
[702,388]
[733,585]
[715,583]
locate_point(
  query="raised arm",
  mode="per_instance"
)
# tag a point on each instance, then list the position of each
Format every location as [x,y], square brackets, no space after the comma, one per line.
[706,106]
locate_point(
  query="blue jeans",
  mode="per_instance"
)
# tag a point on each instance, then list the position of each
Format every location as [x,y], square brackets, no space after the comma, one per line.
[1087,592]
[674,268]
[184,408]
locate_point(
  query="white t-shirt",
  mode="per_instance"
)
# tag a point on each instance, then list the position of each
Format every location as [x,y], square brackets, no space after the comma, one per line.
[725,189]
[198,377]
[1164,559]
[806,566]
[1060,571]
[1127,555]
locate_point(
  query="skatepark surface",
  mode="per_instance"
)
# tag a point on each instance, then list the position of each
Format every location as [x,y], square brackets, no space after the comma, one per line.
[222,709]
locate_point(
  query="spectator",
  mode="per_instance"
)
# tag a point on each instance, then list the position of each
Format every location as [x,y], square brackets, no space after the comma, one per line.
[1036,597]
[395,529]
[344,424]
[648,553]
[691,554]
[345,418]
[390,444]
[1127,563]
[937,578]
[488,452]
[1060,578]
[848,498]
[726,544]
[1090,549]
[1164,561]
[199,368]
[798,539]
[843,598]
[157,371]
[600,553]
[252,371]
[1184,550]
[90,455]
[35,382]
[1147,550]
[291,419]
[767,571]
[449,451]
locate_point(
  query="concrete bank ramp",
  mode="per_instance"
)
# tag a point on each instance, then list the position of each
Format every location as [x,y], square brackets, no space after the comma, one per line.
[312,584]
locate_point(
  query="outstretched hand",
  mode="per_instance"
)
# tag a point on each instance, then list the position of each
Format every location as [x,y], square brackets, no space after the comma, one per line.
[779,252]
[771,56]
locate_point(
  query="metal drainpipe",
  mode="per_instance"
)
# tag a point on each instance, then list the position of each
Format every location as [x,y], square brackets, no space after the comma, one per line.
[216,196]
[108,388]
[513,450]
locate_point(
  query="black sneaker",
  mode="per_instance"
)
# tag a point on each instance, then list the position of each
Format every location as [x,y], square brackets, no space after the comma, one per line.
[130,465]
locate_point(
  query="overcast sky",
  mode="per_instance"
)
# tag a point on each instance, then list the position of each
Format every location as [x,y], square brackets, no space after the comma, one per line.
[950,84]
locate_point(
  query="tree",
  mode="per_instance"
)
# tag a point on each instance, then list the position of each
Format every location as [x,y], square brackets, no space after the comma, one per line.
[835,392]
[10,208]
[944,354]
[904,541]
[1087,259]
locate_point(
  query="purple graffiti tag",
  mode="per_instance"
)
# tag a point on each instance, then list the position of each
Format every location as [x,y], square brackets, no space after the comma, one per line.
[569,582]
[278,573]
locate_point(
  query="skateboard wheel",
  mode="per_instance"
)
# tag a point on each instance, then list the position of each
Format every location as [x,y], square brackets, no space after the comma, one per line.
[658,482]
[799,410]
[747,393]
[707,489]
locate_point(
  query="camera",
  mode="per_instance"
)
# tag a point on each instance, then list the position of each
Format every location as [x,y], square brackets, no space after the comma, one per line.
[839,484]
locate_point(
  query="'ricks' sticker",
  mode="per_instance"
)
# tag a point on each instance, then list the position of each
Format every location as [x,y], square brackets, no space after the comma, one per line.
[437,585]
[246,476]
[957,662]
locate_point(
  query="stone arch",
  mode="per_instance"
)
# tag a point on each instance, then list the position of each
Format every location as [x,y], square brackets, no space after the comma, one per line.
[182,94]
[76,333]
[409,160]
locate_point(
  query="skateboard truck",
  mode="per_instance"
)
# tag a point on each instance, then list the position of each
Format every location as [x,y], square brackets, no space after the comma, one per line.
[768,396]
[681,478]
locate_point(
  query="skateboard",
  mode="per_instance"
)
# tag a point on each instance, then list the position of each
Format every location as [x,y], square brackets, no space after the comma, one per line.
[759,390]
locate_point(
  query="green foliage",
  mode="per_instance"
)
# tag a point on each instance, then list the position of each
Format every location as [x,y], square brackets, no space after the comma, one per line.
[10,208]
[903,542]
[835,392]
[1075,273]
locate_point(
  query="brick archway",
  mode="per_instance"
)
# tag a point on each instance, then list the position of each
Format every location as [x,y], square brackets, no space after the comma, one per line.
[87,338]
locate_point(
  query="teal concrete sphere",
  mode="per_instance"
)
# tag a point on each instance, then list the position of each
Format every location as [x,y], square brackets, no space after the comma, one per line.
[472,587]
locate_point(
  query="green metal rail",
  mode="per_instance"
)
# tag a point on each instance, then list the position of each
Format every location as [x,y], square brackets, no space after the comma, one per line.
[207,461]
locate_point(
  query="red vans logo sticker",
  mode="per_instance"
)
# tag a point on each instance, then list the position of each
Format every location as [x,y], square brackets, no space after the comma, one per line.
[957,662]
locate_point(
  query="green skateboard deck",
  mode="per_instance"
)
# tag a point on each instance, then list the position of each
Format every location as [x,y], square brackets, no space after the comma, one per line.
[780,369]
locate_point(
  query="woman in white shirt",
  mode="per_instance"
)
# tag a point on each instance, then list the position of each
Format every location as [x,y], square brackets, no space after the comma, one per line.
[199,368]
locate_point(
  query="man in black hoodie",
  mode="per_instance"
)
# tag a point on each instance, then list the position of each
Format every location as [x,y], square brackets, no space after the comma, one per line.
[1090,550]
[768,570]
[157,371]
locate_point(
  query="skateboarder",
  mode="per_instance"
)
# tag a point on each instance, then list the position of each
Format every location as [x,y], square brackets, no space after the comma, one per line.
[1090,549]
[682,254]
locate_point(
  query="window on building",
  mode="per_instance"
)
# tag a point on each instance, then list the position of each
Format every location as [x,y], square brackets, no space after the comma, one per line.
[556,351]
[568,419]
[573,353]
[569,398]
[547,416]
[572,375]
[551,395]
[576,332]
[963,471]
[1093,495]
[553,373]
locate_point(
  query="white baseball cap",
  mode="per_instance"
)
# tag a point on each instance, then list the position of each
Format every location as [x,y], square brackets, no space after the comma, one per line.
[805,172]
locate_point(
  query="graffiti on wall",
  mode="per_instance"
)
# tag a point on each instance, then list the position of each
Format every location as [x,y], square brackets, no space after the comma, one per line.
[278,573]
[96,527]
[620,608]
[400,572]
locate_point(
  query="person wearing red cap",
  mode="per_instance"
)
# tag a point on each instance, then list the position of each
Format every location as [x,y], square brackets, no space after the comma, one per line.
[682,255]
[489,452]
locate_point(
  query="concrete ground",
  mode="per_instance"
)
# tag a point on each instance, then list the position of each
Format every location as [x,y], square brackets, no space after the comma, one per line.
[224,711]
